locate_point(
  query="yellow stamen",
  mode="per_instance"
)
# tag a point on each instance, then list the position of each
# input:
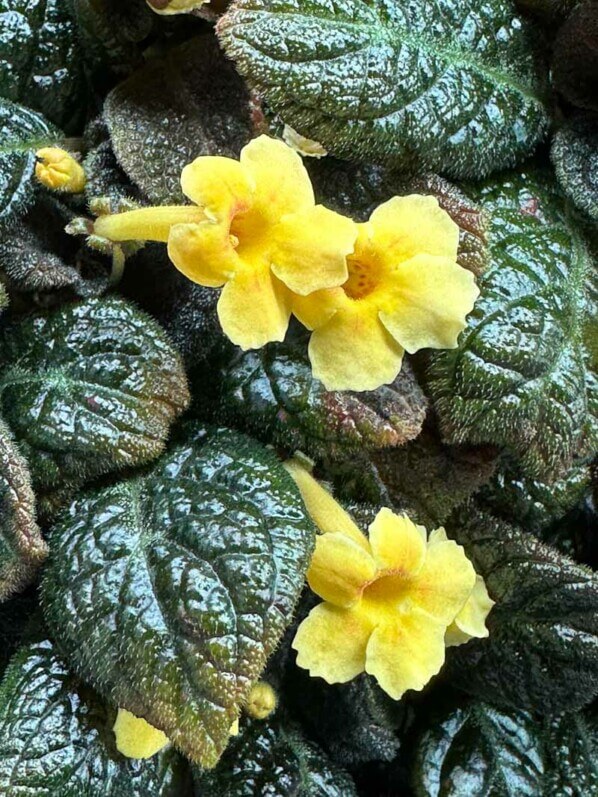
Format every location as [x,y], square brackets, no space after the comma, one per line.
[146,224]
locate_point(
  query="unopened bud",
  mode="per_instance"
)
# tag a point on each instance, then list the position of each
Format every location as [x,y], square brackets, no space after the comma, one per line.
[262,701]
[58,170]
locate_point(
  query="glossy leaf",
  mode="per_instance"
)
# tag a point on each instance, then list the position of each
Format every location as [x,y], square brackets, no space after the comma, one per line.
[479,751]
[168,592]
[542,652]
[40,60]
[272,394]
[56,738]
[453,86]
[22,548]
[268,759]
[575,157]
[22,133]
[88,389]
[187,103]
[572,755]
[520,376]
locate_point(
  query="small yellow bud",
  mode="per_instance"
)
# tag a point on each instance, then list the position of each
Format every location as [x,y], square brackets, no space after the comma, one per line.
[175,6]
[261,701]
[58,170]
[136,738]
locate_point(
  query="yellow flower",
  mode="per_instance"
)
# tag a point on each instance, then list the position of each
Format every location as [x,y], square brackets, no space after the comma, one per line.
[405,292]
[388,599]
[262,701]
[135,737]
[175,6]
[59,171]
[254,229]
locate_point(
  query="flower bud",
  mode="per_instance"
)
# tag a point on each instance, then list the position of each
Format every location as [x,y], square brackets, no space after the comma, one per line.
[59,171]
[174,6]
[262,701]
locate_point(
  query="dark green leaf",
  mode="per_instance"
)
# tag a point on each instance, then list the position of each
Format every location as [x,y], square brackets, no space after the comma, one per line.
[542,652]
[267,759]
[480,751]
[272,394]
[22,548]
[56,738]
[187,103]
[453,86]
[88,389]
[40,61]
[548,10]
[519,378]
[169,592]
[22,132]
[575,57]
[531,503]
[572,756]
[575,157]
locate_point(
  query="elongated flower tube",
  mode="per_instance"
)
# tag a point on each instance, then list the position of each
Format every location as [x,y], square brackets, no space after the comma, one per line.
[254,228]
[388,599]
[405,291]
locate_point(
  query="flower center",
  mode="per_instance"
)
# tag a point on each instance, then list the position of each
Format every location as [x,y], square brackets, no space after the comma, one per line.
[389,589]
[249,232]
[365,275]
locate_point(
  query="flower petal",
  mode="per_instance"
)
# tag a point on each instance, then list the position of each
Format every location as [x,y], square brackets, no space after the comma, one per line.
[253,308]
[353,351]
[221,186]
[282,184]
[444,582]
[406,226]
[331,643]
[317,308]
[310,249]
[203,253]
[397,543]
[136,738]
[327,514]
[340,569]
[406,653]
[427,304]
[471,620]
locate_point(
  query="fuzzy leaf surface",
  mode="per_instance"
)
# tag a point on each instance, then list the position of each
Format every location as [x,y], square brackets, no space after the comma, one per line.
[542,652]
[88,389]
[22,132]
[56,738]
[479,750]
[22,548]
[168,592]
[272,394]
[188,103]
[520,377]
[40,60]
[454,86]
[574,154]
[268,759]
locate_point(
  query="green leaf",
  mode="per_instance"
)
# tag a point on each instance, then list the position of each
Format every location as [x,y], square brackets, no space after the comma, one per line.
[88,389]
[187,103]
[56,738]
[268,759]
[40,61]
[542,652]
[454,86]
[572,756]
[519,377]
[271,393]
[22,548]
[477,750]
[575,157]
[23,132]
[168,592]
[534,504]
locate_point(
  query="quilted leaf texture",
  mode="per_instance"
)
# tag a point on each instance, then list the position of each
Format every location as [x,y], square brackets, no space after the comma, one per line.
[168,592]
[56,738]
[520,377]
[448,85]
[88,389]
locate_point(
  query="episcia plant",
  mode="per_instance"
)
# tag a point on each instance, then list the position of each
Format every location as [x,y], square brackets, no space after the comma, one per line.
[298,398]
